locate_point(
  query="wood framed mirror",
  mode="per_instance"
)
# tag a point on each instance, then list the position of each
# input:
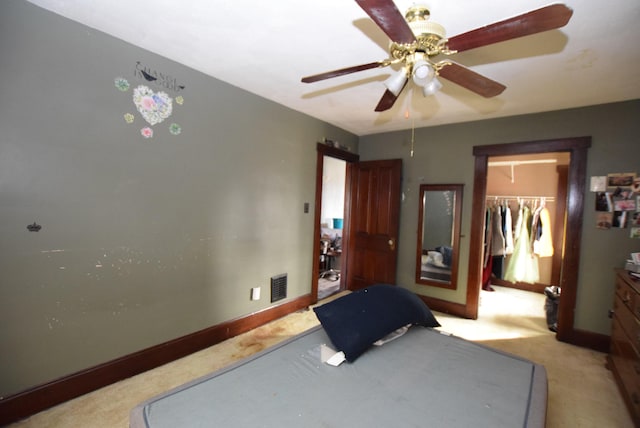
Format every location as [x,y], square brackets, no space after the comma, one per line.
[440,208]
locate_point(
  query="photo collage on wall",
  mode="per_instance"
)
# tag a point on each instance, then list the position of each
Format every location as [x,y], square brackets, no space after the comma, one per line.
[618,202]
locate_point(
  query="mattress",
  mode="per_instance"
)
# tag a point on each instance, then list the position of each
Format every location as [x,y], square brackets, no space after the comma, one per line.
[436,273]
[424,378]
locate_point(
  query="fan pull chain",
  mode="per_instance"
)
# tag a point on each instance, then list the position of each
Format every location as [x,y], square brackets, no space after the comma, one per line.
[413,134]
[413,127]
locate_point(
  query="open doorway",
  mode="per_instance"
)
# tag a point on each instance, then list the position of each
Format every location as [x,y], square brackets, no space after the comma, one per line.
[334,176]
[576,178]
[525,213]
[369,249]
[331,209]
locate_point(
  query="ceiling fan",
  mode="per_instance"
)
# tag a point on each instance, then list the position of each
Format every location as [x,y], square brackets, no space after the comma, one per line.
[416,41]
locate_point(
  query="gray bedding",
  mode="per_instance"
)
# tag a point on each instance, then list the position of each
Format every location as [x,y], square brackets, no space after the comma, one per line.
[433,272]
[422,379]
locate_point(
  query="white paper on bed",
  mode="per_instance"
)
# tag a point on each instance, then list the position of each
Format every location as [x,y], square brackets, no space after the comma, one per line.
[327,355]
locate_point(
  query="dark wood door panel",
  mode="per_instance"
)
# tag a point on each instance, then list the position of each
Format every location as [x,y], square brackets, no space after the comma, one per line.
[374,225]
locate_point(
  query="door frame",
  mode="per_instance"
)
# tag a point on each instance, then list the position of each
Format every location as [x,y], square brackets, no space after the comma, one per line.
[577,147]
[322,151]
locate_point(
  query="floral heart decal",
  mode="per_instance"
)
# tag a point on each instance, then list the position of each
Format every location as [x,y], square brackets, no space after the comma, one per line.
[153,106]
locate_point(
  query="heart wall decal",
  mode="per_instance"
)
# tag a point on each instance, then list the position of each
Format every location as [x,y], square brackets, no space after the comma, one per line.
[153,106]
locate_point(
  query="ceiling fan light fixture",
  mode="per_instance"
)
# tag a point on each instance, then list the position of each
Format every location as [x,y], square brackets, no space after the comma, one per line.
[423,72]
[431,87]
[396,82]
[415,40]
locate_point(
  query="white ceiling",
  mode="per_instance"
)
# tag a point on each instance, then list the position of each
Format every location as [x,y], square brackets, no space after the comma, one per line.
[266,47]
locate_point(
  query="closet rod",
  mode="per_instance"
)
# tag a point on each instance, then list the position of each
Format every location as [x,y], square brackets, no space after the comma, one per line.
[495,197]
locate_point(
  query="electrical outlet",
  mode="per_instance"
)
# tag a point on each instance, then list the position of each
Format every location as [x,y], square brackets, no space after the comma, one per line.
[255,293]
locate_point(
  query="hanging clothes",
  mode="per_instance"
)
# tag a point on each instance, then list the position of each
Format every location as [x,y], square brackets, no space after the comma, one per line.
[534,230]
[486,275]
[508,230]
[488,224]
[487,259]
[497,235]
[543,245]
[499,261]
[497,241]
[523,264]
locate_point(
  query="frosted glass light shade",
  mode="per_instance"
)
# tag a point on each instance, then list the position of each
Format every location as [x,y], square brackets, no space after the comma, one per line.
[431,87]
[396,82]
[423,73]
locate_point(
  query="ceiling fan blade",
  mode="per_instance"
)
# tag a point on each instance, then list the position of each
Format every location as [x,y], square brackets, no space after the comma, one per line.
[343,71]
[388,99]
[537,21]
[471,80]
[389,19]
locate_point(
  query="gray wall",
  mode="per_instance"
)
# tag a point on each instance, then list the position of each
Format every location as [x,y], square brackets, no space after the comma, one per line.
[142,240]
[443,154]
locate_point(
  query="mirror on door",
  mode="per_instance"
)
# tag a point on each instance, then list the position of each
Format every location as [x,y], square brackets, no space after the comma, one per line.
[439,235]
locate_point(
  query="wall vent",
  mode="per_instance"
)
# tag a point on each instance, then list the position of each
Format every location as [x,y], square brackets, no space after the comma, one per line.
[278,287]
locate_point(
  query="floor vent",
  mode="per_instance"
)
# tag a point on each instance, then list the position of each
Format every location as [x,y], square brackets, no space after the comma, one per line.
[278,287]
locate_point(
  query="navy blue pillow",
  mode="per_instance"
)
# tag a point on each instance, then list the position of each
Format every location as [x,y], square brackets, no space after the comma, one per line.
[355,321]
[447,254]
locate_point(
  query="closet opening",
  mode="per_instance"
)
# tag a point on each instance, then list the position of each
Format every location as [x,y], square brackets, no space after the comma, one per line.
[576,148]
[525,211]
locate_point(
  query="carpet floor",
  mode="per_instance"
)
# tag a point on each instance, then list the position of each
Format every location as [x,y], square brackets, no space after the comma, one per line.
[582,392]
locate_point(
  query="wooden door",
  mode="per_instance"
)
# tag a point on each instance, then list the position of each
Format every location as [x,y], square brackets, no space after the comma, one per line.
[374,220]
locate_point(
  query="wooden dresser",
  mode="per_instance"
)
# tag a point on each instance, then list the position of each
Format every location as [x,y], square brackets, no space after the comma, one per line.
[624,357]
